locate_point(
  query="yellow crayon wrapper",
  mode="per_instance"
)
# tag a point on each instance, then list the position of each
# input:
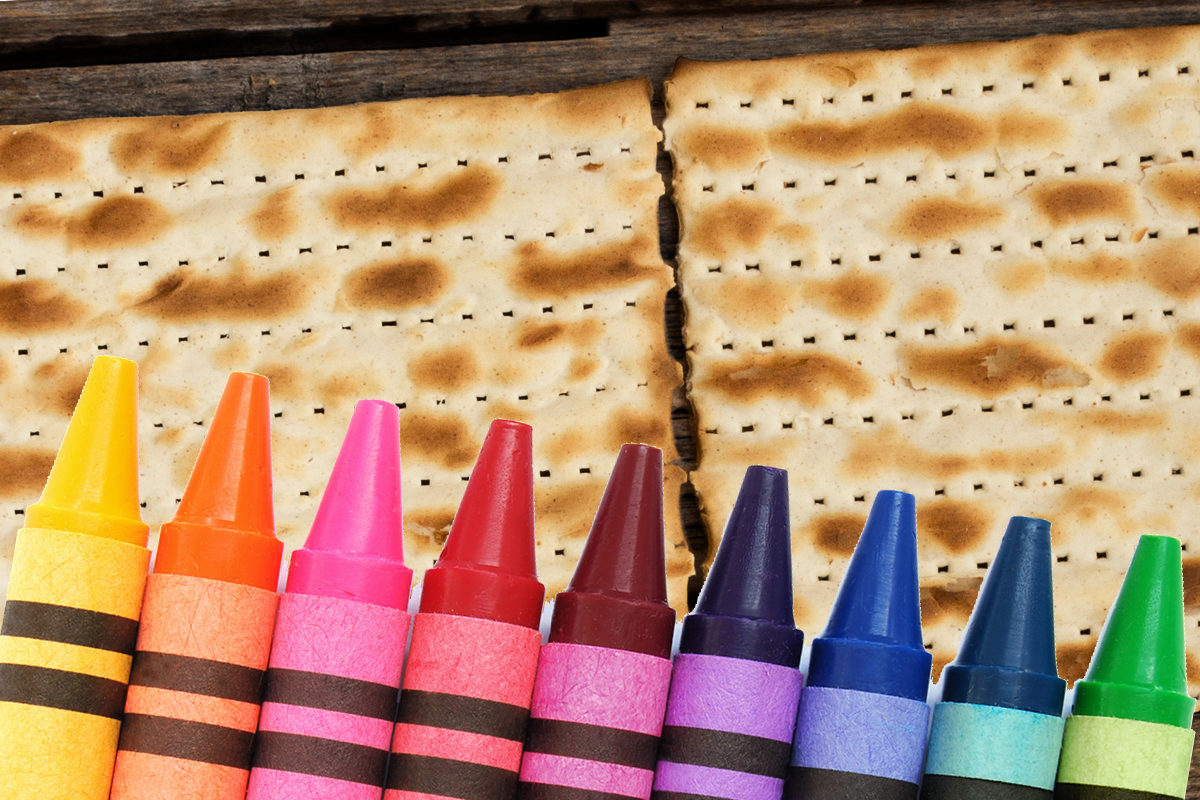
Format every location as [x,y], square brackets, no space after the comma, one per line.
[66,645]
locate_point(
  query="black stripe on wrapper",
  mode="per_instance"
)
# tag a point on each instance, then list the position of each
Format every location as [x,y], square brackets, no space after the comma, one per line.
[549,791]
[326,758]
[192,741]
[1078,791]
[197,676]
[458,713]
[331,693]
[810,783]
[953,787]
[738,752]
[56,688]
[592,742]
[53,623]
[449,778]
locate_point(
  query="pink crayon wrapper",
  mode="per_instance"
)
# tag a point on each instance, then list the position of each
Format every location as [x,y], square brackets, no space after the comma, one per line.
[330,699]
[595,722]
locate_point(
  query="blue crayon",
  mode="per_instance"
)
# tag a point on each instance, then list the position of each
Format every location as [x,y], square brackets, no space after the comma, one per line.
[860,732]
[998,730]
[736,682]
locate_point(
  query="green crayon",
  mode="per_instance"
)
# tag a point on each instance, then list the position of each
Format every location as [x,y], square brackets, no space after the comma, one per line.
[1129,736]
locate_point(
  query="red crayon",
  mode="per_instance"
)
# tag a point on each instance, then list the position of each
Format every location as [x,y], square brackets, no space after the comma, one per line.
[602,680]
[206,625]
[467,684]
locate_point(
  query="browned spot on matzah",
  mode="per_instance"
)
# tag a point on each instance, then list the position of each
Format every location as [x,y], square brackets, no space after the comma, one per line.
[1019,277]
[117,221]
[535,335]
[959,526]
[431,524]
[545,273]
[752,302]
[461,197]
[184,296]
[953,598]
[1130,46]
[1172,266]
[171,145]
[34,156]
[1107,421]
[1191,581]
[627,425]
[1188,337]
[1177,186]
[275,217]
[725,147]
[33,305]
[836,532]
[1065,201]
[885,449]
[24,470]
[1081,508]
[287,380]
[446,370]
[1097,267]
[990,368]
[931,303]
[1073,658]
[567,507]
[855,295]
[810,379]
[925,127]
[395,284]
[582,367]
[1134,355]
[932,218]
[443,439]
[1192,667]
[739,222]
[60,382]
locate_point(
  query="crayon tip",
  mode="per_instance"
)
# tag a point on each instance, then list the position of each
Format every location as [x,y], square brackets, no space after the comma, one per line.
[618,595]
[745,606]
[224,528]
[487,568]
[1138,669]
[93,485]
[355,548]
[872,641]
[751,575]
[878,600]
[1007,653]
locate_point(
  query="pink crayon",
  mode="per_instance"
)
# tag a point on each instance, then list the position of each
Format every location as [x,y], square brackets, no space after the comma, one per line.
[334,673]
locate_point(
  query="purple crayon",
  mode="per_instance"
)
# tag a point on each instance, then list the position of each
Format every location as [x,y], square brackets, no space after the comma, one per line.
[736,683]
[860,733]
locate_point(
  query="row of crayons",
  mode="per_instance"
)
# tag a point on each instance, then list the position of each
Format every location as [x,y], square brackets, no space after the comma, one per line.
[227,690]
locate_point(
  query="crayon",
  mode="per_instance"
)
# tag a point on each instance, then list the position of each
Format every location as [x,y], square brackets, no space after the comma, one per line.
[860,731]
[206,624]
[997,731]
[334,672]
[70,623]
[1129,736]
[736,680]
[604,673]
[469,675]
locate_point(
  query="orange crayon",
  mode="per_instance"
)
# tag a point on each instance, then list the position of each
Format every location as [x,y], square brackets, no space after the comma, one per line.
[70,622]
[209,612]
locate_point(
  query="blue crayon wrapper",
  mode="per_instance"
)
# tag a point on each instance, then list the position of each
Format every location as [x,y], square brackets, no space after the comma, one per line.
[996,744]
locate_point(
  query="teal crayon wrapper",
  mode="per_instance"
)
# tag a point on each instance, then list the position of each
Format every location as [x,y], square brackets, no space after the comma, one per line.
[1008,745]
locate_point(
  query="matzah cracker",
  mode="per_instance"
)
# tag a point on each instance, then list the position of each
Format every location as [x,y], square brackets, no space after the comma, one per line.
[466,258]
[971,272]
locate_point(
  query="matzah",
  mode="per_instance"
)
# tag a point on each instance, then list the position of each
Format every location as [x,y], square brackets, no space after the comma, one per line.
[971,272]
[466,258]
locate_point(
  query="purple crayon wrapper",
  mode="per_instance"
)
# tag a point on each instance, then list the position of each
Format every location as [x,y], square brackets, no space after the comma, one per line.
[330,700]
[728,728]
[595,722]
[862,733]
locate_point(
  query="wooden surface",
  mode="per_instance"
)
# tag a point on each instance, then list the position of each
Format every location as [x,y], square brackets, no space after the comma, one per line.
[64,59]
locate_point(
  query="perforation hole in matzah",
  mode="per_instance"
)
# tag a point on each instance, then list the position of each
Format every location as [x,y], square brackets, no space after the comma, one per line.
[965,271]
[464,258]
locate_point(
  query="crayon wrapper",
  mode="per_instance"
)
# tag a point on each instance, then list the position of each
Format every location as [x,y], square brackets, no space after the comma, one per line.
[1126,754]
[464,707]
[194,691]
[728,728]
[65,654]
[330,699]
[595,722]
[1009,745]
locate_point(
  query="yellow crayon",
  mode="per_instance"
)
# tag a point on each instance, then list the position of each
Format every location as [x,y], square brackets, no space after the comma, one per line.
[70,621]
